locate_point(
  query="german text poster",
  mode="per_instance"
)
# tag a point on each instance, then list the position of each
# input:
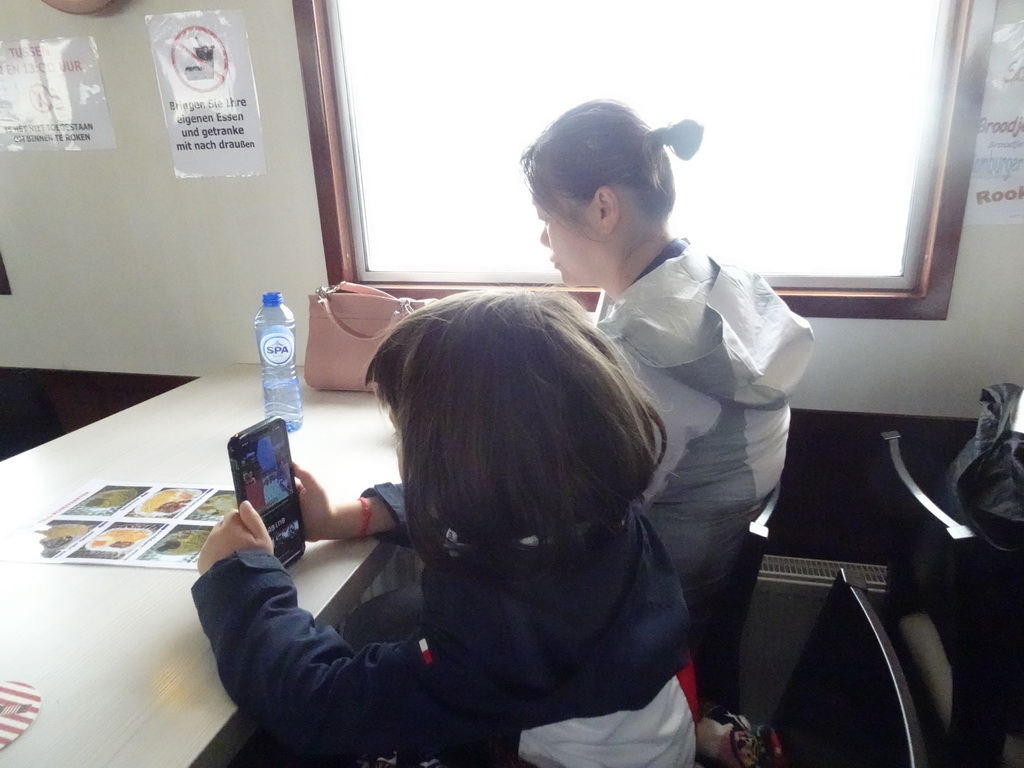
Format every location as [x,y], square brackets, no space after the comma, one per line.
[51,96]
[996,193]
[208,93]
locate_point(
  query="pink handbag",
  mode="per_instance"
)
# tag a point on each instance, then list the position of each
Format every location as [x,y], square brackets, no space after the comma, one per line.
[346,325]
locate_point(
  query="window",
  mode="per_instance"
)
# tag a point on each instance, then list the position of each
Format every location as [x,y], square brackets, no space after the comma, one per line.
[836,158]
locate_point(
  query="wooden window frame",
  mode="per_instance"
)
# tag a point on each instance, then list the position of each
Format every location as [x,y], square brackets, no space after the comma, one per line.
[968,42]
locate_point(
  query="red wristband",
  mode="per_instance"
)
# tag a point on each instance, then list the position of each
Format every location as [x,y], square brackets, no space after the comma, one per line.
[364,526]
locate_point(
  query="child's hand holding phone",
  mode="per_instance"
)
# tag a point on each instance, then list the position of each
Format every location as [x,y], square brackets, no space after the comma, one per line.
[261,468]
[243,529]
[318,520]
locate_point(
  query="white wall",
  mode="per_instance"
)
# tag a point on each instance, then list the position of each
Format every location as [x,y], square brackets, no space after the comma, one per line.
[925,367]
[117,265]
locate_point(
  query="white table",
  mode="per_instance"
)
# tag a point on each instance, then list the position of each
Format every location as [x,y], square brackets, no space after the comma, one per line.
[125,672]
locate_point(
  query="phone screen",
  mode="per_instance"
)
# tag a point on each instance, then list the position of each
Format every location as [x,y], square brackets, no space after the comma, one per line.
[261,467]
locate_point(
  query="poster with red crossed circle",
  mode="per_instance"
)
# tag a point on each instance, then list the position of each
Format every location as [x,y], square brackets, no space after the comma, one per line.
[208,93]
[52,96]
[200,59]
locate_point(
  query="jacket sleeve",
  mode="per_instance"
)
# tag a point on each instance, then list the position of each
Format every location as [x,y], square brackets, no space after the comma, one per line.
[393,496]
[303,682]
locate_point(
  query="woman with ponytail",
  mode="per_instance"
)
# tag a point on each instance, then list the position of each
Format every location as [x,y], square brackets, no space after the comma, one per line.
[717,346]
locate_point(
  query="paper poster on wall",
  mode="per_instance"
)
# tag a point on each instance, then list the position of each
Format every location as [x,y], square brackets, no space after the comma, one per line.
[51,96]
[996,193]
[208,93]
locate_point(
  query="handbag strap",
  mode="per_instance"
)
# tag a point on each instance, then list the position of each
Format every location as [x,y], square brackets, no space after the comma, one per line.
[405,307]
[323,291]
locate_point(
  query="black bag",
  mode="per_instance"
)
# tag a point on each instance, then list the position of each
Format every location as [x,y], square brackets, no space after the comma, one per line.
[987,477]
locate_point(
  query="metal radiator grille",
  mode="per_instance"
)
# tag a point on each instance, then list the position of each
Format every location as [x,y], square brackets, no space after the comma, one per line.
[800,570]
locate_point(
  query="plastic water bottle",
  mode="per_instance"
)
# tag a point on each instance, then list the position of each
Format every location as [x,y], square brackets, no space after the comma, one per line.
[275,334]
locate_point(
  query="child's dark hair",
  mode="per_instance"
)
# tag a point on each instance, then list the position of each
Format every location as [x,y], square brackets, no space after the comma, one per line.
[523,435]
[603,143]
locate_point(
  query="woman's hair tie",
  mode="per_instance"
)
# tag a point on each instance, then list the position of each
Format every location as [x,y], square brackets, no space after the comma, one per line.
[684,137]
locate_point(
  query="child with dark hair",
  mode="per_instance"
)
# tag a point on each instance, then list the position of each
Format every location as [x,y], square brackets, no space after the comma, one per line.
[552,619]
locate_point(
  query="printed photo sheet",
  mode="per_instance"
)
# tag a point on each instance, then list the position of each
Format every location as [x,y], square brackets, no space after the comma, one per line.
[138,524]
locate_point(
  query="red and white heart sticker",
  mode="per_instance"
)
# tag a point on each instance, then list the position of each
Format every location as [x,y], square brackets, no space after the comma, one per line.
[19,705]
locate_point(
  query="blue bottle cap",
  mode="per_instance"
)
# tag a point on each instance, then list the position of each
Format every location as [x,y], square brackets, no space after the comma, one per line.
[273,299]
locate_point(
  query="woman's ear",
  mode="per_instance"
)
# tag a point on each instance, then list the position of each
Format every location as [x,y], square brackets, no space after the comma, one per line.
[604,210]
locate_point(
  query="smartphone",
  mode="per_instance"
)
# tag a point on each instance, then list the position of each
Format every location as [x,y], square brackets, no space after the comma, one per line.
[261,468]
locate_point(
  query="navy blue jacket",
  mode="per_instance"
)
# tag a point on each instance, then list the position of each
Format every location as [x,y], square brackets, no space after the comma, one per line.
[603,638]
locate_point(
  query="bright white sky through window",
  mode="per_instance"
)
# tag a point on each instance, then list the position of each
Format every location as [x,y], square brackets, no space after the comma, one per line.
[813,115]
